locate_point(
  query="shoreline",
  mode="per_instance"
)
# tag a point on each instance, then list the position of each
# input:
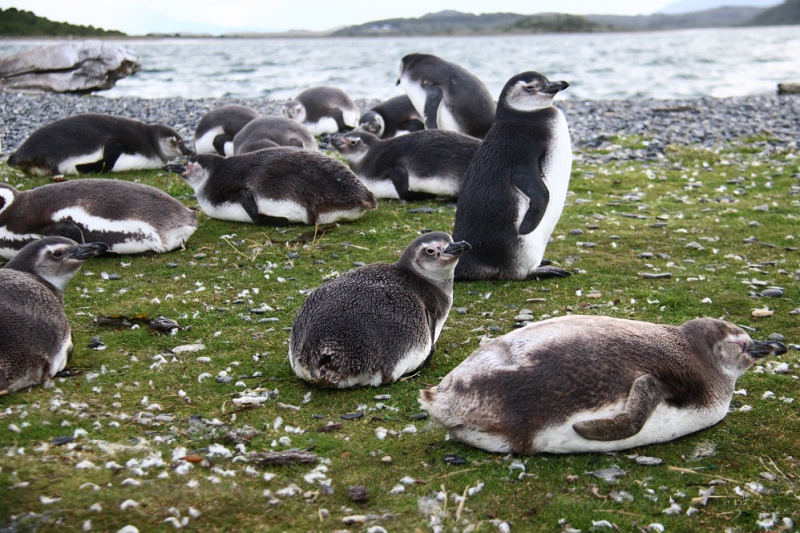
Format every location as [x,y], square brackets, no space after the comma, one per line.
[700,122]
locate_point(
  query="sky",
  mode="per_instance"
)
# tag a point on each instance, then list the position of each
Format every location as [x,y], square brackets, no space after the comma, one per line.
[138,17]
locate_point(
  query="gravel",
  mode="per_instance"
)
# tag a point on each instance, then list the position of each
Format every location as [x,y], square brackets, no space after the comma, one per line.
[703,122]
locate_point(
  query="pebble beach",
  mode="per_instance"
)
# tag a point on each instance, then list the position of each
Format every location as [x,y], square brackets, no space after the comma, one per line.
[703,122]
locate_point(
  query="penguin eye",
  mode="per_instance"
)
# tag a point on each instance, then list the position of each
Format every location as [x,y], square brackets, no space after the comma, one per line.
[353,142]
[430,251]
[57,254]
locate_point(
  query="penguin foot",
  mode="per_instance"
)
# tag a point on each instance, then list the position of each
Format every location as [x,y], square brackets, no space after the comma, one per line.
[545,262]
[543,272]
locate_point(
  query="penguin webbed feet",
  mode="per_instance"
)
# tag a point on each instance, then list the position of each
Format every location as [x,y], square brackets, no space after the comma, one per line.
[546,271]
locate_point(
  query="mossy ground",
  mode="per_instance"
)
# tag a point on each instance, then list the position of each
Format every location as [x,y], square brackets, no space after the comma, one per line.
[623,209]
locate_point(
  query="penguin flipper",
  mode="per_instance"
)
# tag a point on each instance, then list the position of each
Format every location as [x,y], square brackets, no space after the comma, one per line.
[411,125]
[399,178]
[65,228]
[432,100]
[646,393]
[529,180]
[220,141]
[91,168]
[111,152]
[547,271]
[248,202]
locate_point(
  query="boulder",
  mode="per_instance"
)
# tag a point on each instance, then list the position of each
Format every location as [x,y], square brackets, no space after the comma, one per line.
[79,67]
[789,88]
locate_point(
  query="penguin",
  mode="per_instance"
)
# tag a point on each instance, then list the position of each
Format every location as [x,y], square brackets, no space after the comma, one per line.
[275,187]
[421,164]
[130,218]
[217,128]
[323,110]
[269,132]
[447,96]
[392,118]
[379,322]
[37,341]
[594,384]
[93,143]
[516,185]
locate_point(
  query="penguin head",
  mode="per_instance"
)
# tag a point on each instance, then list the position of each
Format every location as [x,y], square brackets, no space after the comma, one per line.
[294,110]
[55,259]
[530,91]
[372,122]
[354,145]
[433,256]
[7,194]
[171,144]
[729,345]
[195,170]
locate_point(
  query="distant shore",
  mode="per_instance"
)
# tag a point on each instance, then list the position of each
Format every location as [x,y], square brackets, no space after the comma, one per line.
[701,122]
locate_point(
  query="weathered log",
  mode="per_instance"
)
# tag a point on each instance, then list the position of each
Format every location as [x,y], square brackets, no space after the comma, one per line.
[789,88]
[80,67]
[283,458]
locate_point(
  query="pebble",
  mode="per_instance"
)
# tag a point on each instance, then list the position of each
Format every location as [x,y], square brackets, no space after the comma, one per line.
[351,416]
[772,292]
[358,493]
[358,264]
[648,461]
[608,474]
[454,459]
[418,416]
[659,275]
[224,379]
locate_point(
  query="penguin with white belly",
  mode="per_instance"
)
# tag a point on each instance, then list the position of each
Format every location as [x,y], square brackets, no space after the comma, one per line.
[516,185]
[217,128]
[447,96]
[323,110]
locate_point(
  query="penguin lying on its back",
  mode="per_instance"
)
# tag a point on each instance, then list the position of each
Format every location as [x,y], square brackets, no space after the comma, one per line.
[36,340]
[447,96]
[422,164]
[516,185]
[269,132]
[93,143]
[131,218]
[217,128]
[594,384]
[275,187]
[392,118]
[379,322]
[323,110]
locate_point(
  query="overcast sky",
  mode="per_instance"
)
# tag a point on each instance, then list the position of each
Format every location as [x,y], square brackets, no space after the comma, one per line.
[138,17]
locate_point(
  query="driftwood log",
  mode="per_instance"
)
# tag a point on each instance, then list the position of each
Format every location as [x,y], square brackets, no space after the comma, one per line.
[77,67]
[789,88]
[283,458]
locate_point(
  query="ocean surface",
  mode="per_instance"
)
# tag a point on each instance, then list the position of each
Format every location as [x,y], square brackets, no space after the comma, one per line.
[602,66]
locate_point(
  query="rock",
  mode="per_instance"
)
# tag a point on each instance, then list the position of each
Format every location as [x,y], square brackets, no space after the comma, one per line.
[789,88]
[79,67]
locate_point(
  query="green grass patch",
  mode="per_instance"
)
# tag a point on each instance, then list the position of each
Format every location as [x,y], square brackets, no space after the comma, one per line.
[688,214]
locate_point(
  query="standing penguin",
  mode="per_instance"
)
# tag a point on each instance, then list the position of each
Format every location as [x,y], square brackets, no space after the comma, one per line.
[379,322]
[217,128]
[516,185]
[269,132]
[422,164]
[131,218]
[594,384]
[447,96]
[323,110]
[392,118]
[275,187]
[92,143]
[36,340]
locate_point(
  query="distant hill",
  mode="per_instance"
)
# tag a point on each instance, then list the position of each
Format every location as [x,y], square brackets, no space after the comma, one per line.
[712,18]
[457,23]
[19,23]
[689,6]
[785,14]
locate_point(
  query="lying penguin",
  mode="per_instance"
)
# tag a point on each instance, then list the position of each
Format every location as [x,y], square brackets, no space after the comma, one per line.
[323,110]
[379,322]
[275,187]
[217,128]
[131,218]
[36,340]
[92,143]
[392,118]
[594,384]
[272,131]
[422,164]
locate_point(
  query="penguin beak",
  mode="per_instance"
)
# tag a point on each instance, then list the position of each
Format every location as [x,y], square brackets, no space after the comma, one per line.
[177,169]
[554,86]
[185,150]
[397,82]
[457,248]
[336,141]
[758,349]
[82,252]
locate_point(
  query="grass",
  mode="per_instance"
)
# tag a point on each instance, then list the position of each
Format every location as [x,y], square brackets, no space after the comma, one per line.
[623,209]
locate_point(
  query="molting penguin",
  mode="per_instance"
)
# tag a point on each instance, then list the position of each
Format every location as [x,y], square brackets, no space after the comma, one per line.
[93,143]
[275,187]
[446,95]
[217,128]
[131,218]
[422,164]
[516,185]
[392,118]
[379,322]
[594,384]
[323,110]
[269,132]
[37,342]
